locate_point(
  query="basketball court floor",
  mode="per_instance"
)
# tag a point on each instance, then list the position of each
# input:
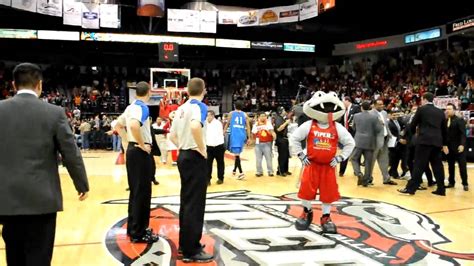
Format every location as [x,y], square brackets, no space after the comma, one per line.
[250,222]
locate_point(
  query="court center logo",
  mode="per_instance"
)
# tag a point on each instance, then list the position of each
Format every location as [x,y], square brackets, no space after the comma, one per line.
[242,228]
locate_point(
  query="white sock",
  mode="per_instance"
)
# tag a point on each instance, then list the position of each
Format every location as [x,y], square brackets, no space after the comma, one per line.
[326,208]
[307,204]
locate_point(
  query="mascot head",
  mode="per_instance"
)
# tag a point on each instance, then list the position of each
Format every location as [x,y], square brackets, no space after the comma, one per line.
[321,105]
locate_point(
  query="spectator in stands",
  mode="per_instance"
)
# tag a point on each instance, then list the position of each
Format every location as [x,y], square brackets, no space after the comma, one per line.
[85,129]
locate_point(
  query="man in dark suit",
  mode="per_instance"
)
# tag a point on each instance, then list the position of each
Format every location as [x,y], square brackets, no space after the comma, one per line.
[347,122]
[33,133]
[366,126]
[432,137]
[456,143]
[411,138]
[397,151]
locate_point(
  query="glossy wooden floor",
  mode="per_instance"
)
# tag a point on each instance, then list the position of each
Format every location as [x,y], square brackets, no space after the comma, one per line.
[81,228]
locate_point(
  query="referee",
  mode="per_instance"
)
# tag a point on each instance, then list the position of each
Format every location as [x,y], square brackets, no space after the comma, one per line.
[138,166]
[188,134]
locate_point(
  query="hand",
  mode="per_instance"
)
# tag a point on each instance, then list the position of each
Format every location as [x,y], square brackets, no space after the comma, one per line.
[203,153]
[445,150]
[403,141]
[336,160]
[304,159]
[460,149]
[83,195]
[146,148]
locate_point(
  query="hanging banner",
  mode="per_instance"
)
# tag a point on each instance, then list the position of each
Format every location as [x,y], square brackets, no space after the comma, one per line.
[309,10]
[208,21]
[28,5]
[109,16]
[72,14]
[268,16]
[247,19]
[288,13]
[50,7]
[183,20]
[151,8]
[90,16]
[230,17]
[6,2]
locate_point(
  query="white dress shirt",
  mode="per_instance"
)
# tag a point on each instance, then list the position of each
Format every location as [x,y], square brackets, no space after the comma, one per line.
[25,91]
[215,133]
[385,133]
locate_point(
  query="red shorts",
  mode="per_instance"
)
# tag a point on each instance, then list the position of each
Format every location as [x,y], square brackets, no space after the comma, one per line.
[319,177]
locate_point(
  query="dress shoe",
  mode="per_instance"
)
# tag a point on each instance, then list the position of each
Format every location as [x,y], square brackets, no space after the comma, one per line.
[466,188]
[288,173]
[431,184]
[180,251]
[449,186]
[405,191]
[220,182]
[341,174]
[390,183]
[156,183]
[148,238]
[360,179]
[439,193]
[270,174]
[258,175]
[201,257]
[281,174]
[422,188]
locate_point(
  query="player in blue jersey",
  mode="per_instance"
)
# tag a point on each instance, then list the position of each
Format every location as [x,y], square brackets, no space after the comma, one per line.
[239,132]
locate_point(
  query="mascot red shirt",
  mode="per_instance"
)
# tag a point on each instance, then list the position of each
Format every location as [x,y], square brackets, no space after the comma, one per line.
[322,136]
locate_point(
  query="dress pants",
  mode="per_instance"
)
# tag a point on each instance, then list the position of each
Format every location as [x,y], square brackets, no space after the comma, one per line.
[29,239]
[410,161]
[192,168]
[396,156]
[381,157]
[139,173]
[368,156]
[216,153]
[453,157]
[283,147]
[425,154]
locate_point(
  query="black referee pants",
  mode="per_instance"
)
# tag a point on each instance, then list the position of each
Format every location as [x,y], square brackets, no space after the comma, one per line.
[139,173]
[192,168]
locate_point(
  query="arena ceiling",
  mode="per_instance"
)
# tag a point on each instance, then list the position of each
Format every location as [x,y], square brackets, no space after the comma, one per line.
[350,20]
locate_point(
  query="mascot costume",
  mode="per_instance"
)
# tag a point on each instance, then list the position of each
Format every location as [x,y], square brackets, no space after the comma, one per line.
[321,136]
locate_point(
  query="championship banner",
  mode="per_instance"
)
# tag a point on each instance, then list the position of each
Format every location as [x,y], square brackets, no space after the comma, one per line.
[442,102]
[28,5]
[109,16]
[90,16]
[267,16]
[208,21]
[247,19]
[309,10]
[151,8]
[183,20]
[50,7]
[72,14]
[288,13]
[9,3]
[229,17]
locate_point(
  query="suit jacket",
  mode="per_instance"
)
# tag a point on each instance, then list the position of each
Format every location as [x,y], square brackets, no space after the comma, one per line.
[32,135]
[380,136]
[456,133]
[431,124]
[351,111]
[367,127]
